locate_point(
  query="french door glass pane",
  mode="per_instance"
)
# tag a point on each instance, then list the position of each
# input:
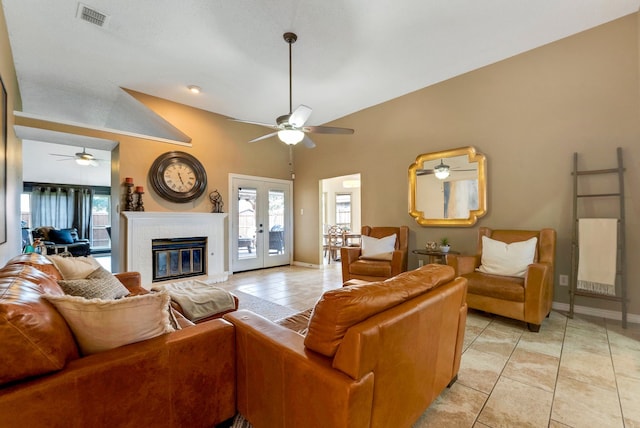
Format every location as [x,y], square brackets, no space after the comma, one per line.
[276,222]
[247,221]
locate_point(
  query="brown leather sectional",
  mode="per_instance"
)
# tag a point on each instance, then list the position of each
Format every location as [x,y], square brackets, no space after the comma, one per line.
[375,355]
[182,379]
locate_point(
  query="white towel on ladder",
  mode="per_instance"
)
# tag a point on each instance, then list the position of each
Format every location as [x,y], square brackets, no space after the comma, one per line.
[598,247]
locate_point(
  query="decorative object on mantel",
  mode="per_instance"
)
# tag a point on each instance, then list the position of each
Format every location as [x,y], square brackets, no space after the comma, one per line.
[444,245]
[140,204]
[129,197]
[216,201]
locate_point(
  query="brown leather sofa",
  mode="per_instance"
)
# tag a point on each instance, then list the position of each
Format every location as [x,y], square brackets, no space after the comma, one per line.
[527,299]
[356,267]
[375,355]
[180,379]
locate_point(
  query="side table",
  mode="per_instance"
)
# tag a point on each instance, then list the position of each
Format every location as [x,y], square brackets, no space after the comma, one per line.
[435,256]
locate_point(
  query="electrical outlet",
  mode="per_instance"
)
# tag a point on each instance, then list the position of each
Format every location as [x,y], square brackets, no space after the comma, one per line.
[564,280]
[420,263]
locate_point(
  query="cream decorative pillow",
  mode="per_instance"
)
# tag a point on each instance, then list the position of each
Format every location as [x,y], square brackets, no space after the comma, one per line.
[99,325]
[100,284]
[500,258]
[378,249]
[75,267]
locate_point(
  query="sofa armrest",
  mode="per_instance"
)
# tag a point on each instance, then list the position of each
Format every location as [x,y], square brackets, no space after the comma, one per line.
[538,292]
[463,264]
[278,377]
[348,255]
[184,378]
[132,281]
[398,262]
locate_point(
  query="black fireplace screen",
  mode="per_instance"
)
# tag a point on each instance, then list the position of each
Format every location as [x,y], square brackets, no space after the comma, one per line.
[175,258]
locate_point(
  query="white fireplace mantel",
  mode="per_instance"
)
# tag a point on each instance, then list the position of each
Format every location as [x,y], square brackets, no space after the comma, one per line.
[142,227]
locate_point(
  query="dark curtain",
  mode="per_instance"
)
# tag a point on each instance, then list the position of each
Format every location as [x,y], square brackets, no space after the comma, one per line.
[62,207]
[82,214]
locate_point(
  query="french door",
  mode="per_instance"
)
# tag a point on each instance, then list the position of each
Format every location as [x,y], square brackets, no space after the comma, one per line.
[260,222]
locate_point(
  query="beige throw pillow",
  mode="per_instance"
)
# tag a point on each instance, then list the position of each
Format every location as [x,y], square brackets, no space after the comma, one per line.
[100,284]
[378,249]
[500,258]
[99,325]
[75,267]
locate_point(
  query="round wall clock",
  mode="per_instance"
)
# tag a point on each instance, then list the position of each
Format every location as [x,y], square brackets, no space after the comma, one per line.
[178,177]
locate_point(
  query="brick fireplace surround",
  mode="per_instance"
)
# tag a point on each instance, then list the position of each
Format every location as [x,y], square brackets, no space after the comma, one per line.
[143,227]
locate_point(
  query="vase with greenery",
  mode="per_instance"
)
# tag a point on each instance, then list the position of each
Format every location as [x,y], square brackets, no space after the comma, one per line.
[444,245]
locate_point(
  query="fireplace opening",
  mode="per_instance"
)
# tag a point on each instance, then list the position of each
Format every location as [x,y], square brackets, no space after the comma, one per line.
[175,258]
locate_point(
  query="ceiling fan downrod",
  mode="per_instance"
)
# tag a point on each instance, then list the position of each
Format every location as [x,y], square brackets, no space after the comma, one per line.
[290,38]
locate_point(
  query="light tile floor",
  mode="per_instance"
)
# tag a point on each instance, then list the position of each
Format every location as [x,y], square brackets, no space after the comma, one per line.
[580,372]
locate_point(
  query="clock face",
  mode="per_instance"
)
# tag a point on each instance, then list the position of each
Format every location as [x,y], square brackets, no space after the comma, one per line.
[178,177]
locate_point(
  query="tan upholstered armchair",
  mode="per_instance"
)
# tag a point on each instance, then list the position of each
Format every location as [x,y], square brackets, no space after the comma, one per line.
[527,298]
[356,267]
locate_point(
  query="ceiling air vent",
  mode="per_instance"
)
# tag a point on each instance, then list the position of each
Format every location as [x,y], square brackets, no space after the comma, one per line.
[91,15]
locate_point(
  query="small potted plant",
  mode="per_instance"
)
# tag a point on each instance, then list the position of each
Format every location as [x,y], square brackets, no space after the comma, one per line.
[444,245]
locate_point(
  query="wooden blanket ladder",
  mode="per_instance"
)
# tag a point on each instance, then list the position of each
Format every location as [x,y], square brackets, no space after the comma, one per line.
[621,268]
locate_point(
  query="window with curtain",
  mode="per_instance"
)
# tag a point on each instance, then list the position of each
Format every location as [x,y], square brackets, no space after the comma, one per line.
[62,206]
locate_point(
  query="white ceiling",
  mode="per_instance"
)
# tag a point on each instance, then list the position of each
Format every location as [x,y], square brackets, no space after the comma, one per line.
[350,55]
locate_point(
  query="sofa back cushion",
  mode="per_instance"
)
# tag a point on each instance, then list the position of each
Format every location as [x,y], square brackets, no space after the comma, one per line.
[338,310]
[35,338]
[38,261]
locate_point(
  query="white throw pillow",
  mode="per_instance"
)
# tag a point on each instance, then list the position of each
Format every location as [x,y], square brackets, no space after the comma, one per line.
[500,258]
[99,325]
[378,249]
[75,267]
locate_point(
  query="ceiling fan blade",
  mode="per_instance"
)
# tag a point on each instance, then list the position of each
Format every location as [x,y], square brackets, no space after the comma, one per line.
[308,142]
[64,156]
[424,171]
[327,130]
[264,137]
[300,115]
[93,162]
[266,125]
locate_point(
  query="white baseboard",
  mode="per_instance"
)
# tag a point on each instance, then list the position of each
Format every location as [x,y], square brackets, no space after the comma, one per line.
[308,265]
[595,312]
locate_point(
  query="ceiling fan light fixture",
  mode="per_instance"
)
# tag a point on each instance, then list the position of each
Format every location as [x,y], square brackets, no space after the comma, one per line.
[83,161]
[290,136]
[441,171]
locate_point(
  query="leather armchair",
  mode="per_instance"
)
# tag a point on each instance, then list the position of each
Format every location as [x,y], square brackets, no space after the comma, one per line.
[353,267]
[526,299]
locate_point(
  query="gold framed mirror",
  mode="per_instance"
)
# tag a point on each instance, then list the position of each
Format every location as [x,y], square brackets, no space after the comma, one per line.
[448,188]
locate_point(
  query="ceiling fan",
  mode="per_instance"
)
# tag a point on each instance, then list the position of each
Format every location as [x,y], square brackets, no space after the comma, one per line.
[441,170]
[290,128]
[82,158]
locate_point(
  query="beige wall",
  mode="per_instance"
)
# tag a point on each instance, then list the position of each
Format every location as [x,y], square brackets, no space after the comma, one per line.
[528,115]
[14,152]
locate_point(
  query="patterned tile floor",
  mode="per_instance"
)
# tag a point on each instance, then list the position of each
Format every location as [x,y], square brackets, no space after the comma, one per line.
[581,372]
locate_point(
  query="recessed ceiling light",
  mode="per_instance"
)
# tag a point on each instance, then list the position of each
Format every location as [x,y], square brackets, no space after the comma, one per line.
[195,89]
